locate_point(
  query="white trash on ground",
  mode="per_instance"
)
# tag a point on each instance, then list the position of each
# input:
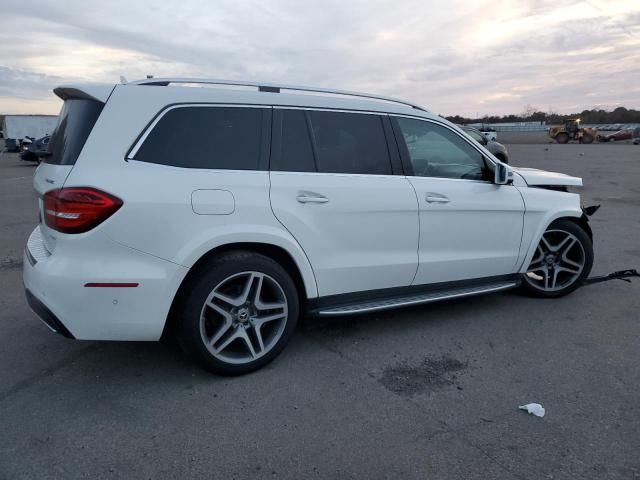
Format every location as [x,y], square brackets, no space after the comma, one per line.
[534,409]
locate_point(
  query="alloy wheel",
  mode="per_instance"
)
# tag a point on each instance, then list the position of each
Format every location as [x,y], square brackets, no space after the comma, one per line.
[243,317]
[558,262]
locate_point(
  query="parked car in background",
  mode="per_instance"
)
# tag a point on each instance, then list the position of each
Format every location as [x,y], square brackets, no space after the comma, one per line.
[32,149]
[497,149]
[489,133]
[17,128]
[317,202]
[626,134]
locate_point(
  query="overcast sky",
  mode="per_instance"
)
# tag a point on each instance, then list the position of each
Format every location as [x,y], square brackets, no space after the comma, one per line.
[454,56]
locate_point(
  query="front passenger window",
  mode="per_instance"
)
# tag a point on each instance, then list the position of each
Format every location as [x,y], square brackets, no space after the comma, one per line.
[436,151]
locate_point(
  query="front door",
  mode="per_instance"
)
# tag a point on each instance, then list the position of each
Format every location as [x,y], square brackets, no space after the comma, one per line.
[469,227]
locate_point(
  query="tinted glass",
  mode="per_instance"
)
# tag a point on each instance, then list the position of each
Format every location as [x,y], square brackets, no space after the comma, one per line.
[477,136]
[350,143]
[75,122]
[436,151]
[296,152]
[206,137]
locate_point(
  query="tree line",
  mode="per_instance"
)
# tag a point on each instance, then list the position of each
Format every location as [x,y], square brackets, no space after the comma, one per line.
[619,115]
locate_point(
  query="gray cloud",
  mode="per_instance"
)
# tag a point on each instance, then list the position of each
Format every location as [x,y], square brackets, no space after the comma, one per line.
[25,84]
[413,49]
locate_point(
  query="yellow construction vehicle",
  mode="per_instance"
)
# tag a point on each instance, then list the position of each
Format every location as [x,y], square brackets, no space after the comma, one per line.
[571,130]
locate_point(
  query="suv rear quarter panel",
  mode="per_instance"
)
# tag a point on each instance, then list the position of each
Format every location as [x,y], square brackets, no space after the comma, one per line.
[157,217]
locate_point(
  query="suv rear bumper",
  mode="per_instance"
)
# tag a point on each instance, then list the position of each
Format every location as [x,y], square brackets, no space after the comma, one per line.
[65,288]
[46,315]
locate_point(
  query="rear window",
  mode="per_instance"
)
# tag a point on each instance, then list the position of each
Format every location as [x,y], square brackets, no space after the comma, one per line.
[75,122]
[206,137]
[330,142]
[350,143]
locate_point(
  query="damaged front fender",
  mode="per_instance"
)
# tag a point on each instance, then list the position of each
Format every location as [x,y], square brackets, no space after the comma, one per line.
[588,211]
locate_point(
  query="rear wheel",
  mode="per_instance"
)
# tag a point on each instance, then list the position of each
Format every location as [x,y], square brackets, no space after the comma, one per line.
[239,315]
[562,261]
[562,138]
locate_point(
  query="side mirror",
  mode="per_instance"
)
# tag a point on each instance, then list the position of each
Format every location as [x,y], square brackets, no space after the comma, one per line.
[502,175]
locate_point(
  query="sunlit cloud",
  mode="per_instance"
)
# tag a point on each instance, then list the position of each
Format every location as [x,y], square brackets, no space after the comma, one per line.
[485,57]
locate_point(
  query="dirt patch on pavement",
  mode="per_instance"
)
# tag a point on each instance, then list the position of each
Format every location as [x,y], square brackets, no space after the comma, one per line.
[432,373]
[10,263]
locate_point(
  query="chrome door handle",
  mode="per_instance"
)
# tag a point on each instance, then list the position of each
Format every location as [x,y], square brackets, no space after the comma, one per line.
[311,197]
[436,198]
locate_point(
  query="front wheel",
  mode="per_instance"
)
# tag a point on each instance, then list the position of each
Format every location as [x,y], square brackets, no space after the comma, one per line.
[239,314]
[562,261]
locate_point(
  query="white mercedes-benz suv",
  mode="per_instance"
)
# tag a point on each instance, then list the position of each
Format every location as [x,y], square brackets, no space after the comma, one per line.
[221,214]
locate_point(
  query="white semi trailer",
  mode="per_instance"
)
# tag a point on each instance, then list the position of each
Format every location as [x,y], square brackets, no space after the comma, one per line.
[17,127]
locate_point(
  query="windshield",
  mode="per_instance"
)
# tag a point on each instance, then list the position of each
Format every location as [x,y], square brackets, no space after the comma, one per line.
[75,122]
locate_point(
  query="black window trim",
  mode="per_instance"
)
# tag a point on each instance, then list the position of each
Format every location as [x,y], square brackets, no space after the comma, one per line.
[390,141]
[276,140]
[265,145]
[404,151]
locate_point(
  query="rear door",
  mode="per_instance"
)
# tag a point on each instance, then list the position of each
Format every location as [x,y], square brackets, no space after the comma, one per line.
[333,187]
[75,122]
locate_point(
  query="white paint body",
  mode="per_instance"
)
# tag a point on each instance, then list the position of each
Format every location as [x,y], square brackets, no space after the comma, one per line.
[374,232]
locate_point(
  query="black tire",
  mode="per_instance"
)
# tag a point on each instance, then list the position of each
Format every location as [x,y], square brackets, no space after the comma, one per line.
[215,272]
[587,139]
[612,139]
[529,287]
[562,138]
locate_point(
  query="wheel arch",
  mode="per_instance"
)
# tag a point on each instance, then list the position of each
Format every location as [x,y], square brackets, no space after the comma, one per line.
[574,216]
[277,253]
[582,222]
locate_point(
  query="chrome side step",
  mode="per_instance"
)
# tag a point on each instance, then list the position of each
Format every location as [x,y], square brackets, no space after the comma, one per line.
[416,299]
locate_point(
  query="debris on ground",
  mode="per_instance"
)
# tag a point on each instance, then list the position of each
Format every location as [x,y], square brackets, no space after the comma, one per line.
[534,409]
[624,275]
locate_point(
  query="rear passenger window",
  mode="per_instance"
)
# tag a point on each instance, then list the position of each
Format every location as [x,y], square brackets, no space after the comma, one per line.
[350,143]
[206,137]
[295,150]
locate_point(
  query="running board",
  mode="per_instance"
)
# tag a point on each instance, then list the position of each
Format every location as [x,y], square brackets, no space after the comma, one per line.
[416,299]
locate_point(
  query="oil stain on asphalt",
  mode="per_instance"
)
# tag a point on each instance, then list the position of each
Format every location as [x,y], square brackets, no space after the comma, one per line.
[430,374]
[10,263]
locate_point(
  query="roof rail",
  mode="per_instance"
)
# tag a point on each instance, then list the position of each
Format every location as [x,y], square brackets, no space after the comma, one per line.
[271,88]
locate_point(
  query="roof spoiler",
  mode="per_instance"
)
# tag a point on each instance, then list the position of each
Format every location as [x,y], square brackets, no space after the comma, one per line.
[98,92]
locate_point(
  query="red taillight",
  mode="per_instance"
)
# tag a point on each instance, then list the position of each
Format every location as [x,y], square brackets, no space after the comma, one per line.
[78,209]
